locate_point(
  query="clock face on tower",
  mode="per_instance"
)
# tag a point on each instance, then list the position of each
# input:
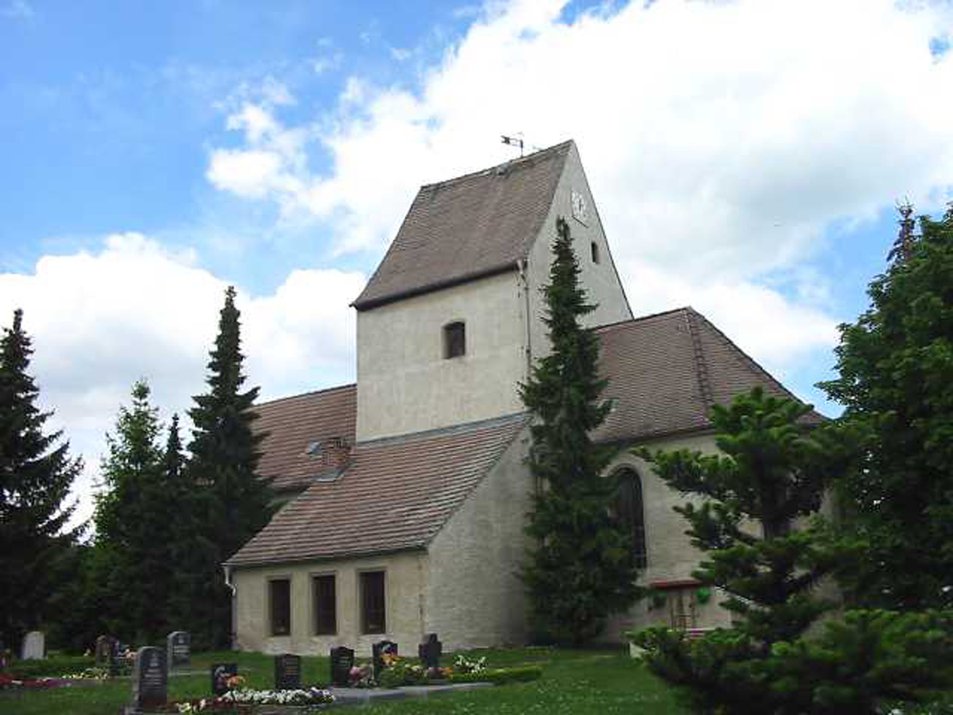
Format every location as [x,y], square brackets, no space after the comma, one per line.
[580,211]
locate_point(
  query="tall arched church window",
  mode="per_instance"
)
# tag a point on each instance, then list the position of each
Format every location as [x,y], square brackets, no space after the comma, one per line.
[629,510]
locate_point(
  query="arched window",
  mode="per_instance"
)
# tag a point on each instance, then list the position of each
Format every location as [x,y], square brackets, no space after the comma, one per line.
[629,510]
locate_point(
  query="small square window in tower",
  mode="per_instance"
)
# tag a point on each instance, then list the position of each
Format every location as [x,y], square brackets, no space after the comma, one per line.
[454,339]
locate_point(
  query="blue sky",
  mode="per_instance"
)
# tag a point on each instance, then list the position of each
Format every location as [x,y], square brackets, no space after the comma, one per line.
[745,158]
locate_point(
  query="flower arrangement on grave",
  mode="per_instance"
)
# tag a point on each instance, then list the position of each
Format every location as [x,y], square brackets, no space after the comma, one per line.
[93,673]
[300,696]
[399,671]
[462,664]
[362,676]
[242,698]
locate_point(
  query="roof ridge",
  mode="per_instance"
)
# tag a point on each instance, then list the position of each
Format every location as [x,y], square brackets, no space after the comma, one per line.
[439,431]
[701,366]
[639,319]
[747,359]
[305,394]
[509,163]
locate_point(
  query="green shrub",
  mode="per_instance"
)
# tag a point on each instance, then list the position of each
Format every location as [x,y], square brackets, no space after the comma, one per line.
[499,676]
[51,667]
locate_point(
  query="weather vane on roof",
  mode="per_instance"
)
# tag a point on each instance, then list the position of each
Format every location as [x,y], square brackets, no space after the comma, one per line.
[514,141]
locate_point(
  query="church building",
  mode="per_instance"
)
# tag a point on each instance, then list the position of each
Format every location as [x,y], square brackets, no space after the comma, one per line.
[405,495]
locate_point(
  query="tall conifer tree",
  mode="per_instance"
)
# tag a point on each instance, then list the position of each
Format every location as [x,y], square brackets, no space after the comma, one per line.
[896,371]
[135,524]
[232,501]
[583,566]
[36,473]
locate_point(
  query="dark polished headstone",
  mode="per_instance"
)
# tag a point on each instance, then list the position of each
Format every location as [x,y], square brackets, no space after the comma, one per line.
[150,678]
[342,660]
[220,673]
[430,651]
[287,672]
[178,648]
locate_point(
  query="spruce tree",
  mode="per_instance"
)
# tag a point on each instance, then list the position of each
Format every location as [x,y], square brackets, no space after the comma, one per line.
[231,501]
[36,473]
[583,567]
[136,519]
[896,369]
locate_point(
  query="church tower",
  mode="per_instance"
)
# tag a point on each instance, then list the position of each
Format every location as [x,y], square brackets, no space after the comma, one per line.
[450,322]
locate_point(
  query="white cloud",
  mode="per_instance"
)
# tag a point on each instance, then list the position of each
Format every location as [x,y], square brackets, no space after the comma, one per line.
[721,139]
[99,321]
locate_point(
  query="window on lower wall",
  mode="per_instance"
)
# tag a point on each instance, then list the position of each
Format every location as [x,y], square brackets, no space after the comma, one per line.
[629,510]
[373,616]
[325,605]
[279,600]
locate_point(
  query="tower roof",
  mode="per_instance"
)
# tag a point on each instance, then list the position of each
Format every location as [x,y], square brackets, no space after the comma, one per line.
[469,227]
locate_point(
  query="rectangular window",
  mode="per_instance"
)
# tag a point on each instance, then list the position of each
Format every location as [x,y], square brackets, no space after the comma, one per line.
[279,597]
[373,617]
[325,606]
[454,340]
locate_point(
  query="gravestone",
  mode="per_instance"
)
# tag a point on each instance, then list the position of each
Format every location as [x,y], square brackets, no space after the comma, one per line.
[221,672]
[378,650]
[430,651]
[104,650]
[342,660]
[287,672]
[150,678]
[178,648]
[34,646]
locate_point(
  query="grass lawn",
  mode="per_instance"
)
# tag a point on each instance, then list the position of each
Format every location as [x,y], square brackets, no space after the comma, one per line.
[602,682]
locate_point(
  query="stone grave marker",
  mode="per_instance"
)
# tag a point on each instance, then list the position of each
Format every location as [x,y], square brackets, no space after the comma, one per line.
[430,651]
[220,673]
[378,651]
[150,678]
[178,648]
[34,646]
[342,660]
[287,672]
[104,651]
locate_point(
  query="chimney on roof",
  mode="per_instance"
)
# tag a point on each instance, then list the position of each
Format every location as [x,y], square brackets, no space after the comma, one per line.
[331,454]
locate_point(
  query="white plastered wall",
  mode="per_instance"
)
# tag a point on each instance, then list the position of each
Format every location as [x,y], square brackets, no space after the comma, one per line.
[670,555]
[600,280]
[475,596]
[404,586]
[404,383]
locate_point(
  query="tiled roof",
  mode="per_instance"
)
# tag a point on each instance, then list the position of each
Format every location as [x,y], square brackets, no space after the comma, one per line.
[666,371]
[471,226]
[396,494]
[292,424]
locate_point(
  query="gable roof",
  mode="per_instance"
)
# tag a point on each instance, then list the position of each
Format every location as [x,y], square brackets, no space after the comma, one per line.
[396,495]
[292,424]
[468,227]
[666,371]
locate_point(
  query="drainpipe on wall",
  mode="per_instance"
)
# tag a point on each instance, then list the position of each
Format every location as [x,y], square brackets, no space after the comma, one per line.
[524,281]
[233,630]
